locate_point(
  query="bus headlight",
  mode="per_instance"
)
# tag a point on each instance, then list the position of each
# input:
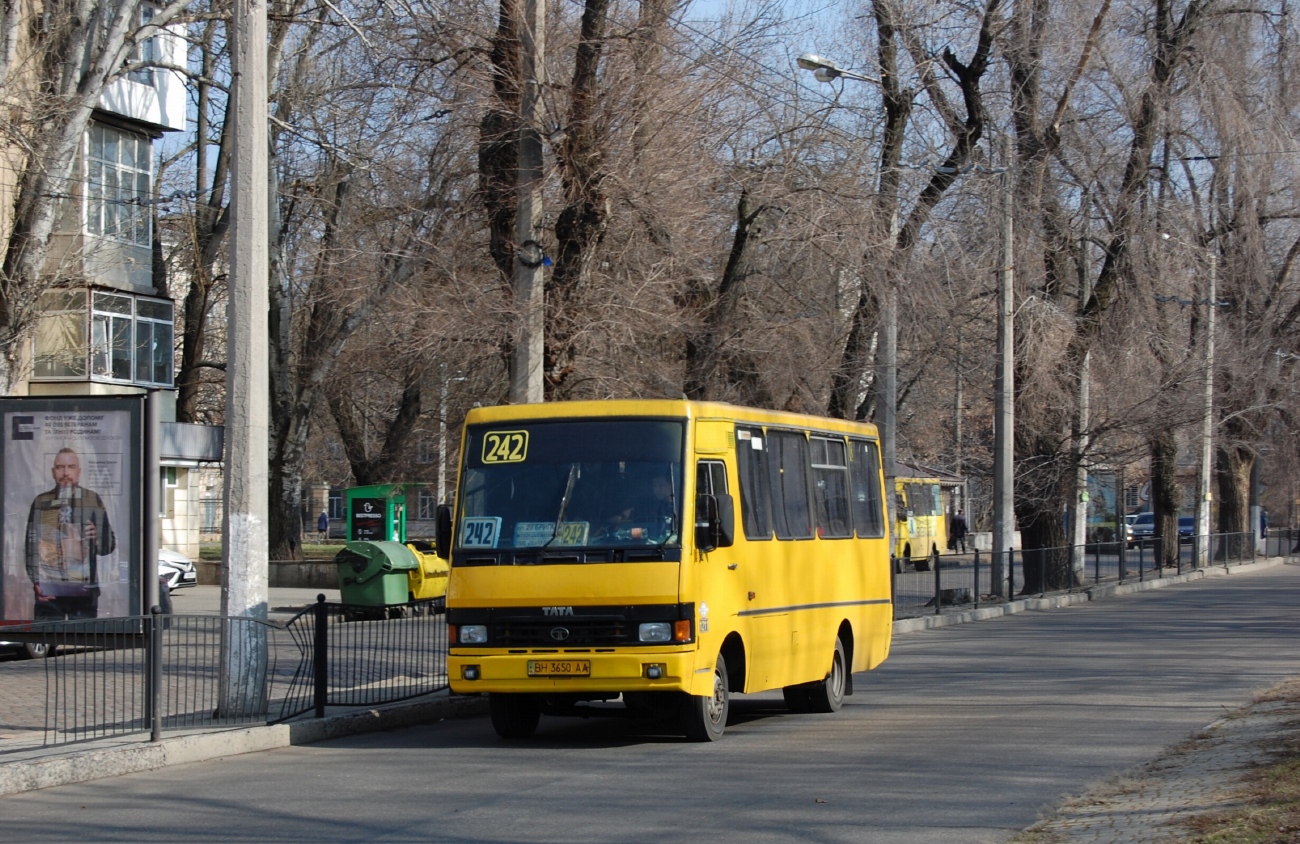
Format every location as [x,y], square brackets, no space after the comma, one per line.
[473,634]
[655,631]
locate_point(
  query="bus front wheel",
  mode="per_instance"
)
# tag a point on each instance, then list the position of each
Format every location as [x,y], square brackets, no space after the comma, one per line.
[514,716]
[704,717]
[828,695]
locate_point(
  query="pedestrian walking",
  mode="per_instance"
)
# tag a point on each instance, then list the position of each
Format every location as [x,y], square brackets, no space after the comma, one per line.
[959,531]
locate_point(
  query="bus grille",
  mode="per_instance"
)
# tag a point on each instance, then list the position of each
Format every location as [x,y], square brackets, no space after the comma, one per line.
[561,633]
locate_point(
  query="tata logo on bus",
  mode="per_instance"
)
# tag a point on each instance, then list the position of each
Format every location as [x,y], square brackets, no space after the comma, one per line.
[505,446]
[554,611]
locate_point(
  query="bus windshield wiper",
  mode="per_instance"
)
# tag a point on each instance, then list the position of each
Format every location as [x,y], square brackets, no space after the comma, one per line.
[564,503]
[674,521]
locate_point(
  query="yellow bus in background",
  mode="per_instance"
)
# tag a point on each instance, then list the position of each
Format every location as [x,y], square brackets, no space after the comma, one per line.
[670,553]
[922,524]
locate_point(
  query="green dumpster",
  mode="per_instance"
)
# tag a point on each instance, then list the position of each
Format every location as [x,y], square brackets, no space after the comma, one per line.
[375,573]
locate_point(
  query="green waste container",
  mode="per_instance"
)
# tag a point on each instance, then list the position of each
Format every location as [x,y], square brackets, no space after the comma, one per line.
[374,574]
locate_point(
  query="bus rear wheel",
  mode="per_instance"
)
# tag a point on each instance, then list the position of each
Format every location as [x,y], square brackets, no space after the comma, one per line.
[704,717]
[514,716]
[828,695]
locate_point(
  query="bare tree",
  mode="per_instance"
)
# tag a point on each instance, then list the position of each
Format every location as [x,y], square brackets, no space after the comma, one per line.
[53,77]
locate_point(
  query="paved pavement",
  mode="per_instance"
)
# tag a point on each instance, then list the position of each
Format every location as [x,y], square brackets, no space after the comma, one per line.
[1153,803]
[1137,810]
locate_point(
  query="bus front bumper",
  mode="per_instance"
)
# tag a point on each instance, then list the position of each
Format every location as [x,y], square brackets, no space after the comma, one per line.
[474,672]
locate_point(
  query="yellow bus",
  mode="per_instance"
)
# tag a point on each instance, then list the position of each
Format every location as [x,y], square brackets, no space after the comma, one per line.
[668,552]
[922,526]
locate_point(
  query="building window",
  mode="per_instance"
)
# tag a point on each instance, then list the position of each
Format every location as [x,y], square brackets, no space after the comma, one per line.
[168,481]
[124,338]
[336,504]
[428,505]
[147,52]
[131,339]
[60,337]
[425,451]
[118,185]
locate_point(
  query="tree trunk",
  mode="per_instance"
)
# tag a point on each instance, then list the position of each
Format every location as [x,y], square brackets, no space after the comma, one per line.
[582,222]
[705,351]
[1163,448]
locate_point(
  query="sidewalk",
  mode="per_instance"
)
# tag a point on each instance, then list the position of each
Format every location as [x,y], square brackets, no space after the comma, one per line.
[1154,803]
[1190,779]
[282,602]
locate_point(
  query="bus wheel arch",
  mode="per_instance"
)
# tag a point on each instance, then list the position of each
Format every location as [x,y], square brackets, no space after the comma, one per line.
[733,651]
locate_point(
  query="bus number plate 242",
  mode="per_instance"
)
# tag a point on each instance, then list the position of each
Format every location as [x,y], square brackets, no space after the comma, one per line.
[559,668]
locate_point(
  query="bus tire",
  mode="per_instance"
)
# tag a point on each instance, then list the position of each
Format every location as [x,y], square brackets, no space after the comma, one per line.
[651,706]
[704,717]
[828,695]
[514,716]
[796,698]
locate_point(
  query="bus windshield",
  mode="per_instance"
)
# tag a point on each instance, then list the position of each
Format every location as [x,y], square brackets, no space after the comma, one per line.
[571,484]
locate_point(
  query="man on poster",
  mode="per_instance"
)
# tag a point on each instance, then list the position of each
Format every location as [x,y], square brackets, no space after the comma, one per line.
[67,534]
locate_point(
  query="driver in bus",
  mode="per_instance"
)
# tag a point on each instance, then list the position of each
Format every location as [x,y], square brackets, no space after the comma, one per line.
[651,515]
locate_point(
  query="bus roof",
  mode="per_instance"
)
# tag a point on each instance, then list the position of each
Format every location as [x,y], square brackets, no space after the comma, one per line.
[665,408]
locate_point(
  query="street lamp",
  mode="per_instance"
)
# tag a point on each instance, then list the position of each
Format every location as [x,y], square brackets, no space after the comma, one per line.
[827,71]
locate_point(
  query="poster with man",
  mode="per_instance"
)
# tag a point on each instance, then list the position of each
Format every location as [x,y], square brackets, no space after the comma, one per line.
[70,495]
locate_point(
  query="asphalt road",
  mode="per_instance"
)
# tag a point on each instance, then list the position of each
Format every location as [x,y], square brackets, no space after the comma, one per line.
[964,735]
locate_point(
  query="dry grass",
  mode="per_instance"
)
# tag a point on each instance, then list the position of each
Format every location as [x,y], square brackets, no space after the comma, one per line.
[1271,814]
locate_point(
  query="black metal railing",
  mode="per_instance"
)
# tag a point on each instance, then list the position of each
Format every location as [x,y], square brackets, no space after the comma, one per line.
[374,657]
[157,673]
[965,581]
[161,672]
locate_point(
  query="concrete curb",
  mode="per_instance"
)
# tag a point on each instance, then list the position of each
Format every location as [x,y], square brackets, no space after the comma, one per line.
[79,764]
[1093,593]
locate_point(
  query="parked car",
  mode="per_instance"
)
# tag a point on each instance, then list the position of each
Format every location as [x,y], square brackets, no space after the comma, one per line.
[27,650]
[174,569]
[1186,528]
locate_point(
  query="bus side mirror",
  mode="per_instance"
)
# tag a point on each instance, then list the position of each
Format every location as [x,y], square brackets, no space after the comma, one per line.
[715,522]
[442,532]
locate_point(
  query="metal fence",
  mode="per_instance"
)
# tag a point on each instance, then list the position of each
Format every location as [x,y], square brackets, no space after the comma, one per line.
[968,580]
[117,677]
[121,676]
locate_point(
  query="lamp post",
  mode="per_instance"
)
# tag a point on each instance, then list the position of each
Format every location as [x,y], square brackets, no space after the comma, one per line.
[827,71]
[1204,495]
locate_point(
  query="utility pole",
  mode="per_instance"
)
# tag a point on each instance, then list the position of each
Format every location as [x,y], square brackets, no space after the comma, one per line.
[1205,470]
[889,383]
[244,538]
[1004,511]
[1081,499]
[526,384]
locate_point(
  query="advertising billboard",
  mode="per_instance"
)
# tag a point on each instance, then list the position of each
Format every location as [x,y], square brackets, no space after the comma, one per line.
[71,478]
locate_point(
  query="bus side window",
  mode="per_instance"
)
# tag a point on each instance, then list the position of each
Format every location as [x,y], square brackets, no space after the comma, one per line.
[830,473]
[788,469]
[755,502]
[711,478]
[868,501]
